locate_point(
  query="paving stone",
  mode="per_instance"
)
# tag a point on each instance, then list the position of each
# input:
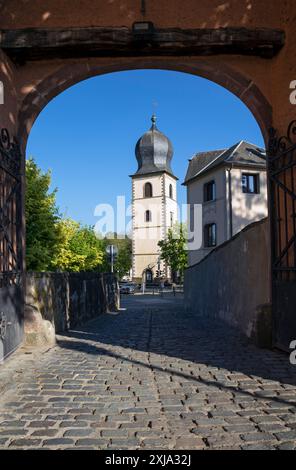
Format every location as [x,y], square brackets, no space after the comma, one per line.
[240,428]
[257,436]
[125,443]
[223,440]
[287,446]
[114,433]
[286,435]
[59,441]
[14,432]
[42,424]
[25,443]
[190,443]
[78,432]
[12,424]
[91,442]
[105,389]
[258,447]
[79,411]
[73,424]
[265,419]
[45,433]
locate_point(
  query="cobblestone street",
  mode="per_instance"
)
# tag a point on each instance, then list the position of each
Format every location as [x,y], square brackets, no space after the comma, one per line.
[153,376]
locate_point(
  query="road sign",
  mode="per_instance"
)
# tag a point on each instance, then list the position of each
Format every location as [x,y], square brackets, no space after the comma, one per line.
[112,252]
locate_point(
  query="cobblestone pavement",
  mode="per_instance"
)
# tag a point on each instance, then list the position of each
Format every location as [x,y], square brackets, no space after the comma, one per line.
[153,377]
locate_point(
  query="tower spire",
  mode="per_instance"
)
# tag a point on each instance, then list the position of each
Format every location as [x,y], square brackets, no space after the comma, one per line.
[153,120]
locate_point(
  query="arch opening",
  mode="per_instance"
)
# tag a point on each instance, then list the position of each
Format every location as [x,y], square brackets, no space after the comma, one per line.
[219,72]
[159,270]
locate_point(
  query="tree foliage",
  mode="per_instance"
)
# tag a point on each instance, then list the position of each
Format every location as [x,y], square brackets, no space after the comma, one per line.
[173,248]
[123,262]
[79,250]
[54,243]
[42,217]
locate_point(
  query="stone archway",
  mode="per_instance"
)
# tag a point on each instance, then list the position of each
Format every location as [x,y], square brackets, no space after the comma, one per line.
[46,49]
[220,73]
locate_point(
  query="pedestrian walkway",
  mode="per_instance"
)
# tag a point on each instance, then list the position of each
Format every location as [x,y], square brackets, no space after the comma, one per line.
[151,377]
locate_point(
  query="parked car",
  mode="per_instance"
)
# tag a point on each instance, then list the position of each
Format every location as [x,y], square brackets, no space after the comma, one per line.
[127,288]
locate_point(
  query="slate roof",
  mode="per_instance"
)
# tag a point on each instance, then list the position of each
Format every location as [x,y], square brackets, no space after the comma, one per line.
[154,152]
[241,154]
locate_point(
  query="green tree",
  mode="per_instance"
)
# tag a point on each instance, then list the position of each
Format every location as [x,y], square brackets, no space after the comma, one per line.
[42,217]
[79,250]
[123,262]
[173,249]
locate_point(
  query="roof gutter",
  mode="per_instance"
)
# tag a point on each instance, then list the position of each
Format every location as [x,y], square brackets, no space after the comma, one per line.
[230,208]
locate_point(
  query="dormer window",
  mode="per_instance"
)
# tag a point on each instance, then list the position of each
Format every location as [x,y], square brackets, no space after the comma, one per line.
[148,190]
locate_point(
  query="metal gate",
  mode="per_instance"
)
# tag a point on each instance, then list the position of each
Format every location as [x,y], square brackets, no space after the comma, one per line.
[282,185]
[11,279]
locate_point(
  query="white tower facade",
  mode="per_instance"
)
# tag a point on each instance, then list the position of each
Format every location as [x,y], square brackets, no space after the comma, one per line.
[154,204]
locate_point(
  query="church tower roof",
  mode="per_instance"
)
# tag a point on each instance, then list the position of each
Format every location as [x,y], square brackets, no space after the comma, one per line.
[154,152]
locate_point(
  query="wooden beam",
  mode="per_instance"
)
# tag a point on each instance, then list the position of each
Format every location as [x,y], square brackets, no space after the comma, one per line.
[40,44]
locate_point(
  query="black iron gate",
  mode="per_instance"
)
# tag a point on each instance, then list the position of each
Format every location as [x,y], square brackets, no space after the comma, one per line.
[282,184]
[11,279]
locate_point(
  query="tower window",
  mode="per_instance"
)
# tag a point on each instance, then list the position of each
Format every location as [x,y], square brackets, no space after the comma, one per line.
[210,235]
[148,216]
[171,191]
[210,191]
[171,218]
[148,190]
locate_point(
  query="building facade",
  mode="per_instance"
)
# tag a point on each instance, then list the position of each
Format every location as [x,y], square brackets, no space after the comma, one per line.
[154,204]
[231,187]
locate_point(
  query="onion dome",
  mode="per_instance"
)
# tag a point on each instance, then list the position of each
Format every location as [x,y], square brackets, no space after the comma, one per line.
[154,151]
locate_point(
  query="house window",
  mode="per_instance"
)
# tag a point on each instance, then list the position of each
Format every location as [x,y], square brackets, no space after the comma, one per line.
[210,234]
[250,183]
[210,191]
[148,216]
[171,191]
[148,190]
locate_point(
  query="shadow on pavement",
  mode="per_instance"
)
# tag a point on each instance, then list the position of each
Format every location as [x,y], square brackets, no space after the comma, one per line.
[162,327]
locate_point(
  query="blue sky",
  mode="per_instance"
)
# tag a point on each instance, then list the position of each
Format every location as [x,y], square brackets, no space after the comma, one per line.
[87,134]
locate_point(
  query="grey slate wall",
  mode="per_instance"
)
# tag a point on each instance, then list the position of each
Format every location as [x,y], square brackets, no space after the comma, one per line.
[69,299]
[233,284]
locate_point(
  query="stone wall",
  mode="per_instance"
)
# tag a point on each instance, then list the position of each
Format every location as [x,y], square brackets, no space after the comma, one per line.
[56,302]
[233,284]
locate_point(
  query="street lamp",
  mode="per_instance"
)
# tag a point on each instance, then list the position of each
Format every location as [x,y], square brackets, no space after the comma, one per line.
[143,29]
